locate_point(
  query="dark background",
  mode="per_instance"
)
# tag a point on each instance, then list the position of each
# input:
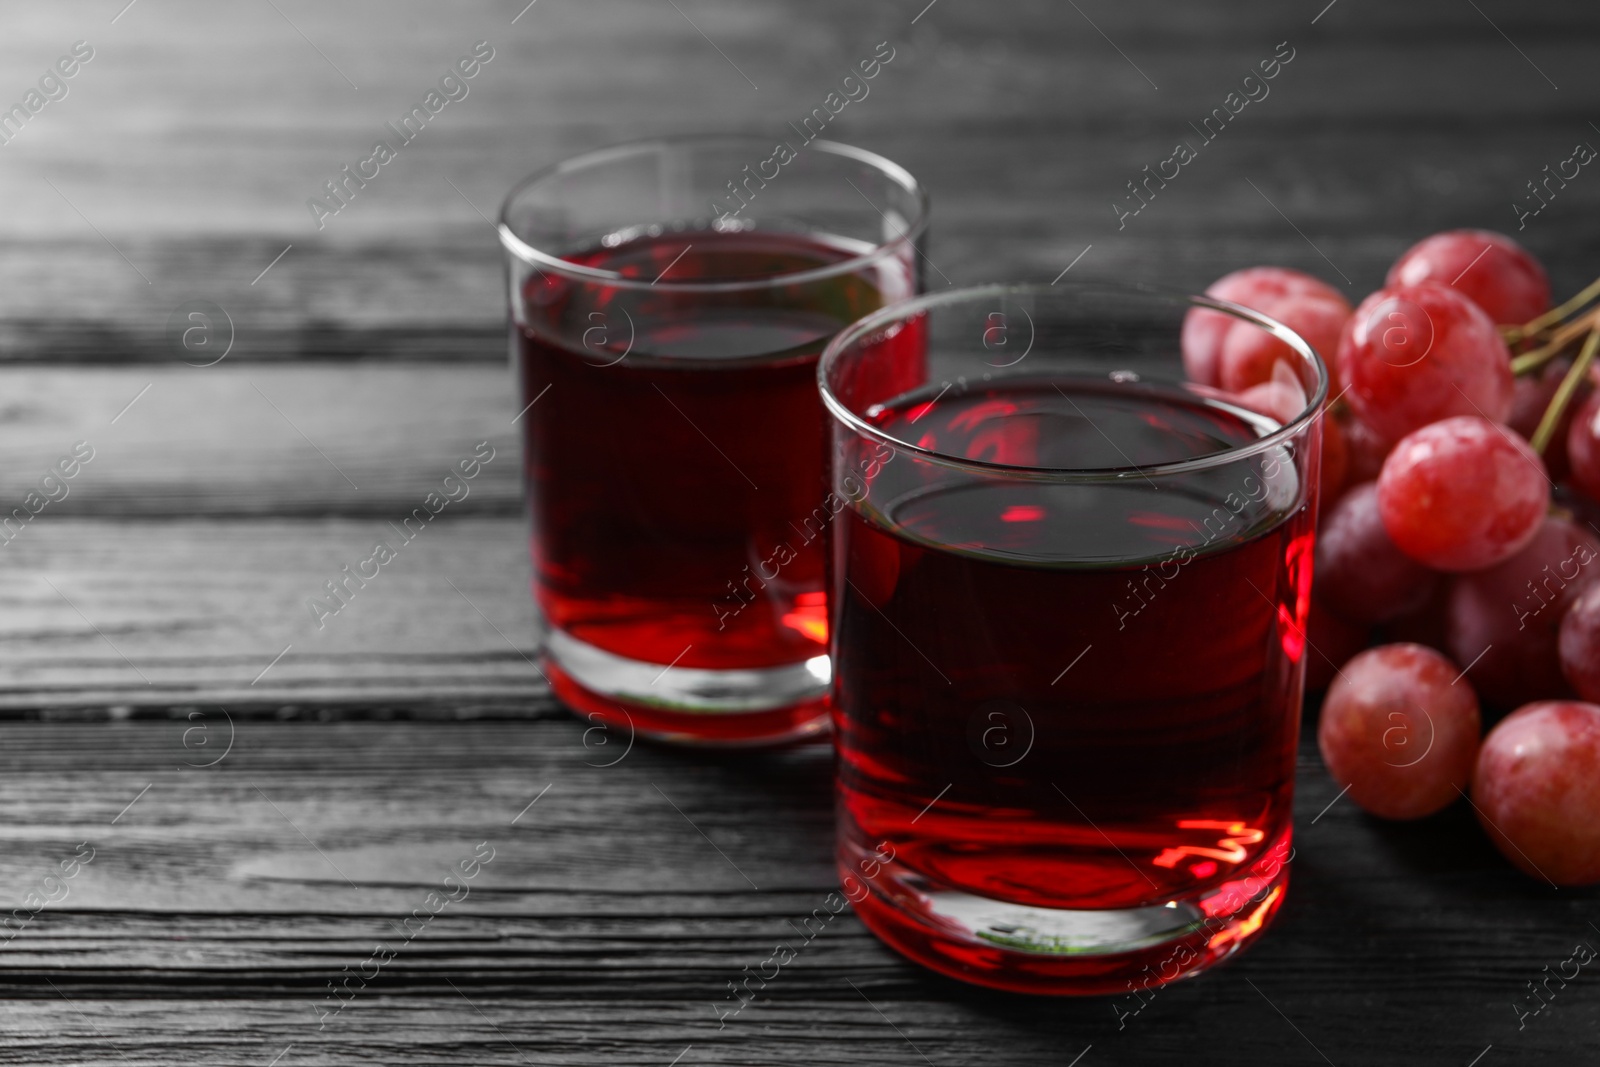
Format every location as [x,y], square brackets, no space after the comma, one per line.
[156,616]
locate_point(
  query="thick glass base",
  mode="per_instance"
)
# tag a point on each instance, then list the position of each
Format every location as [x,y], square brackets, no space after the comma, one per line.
[1062,951]
[689,705]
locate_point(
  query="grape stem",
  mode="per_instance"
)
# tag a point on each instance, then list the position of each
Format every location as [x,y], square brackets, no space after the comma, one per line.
[1569,332]
[1565,393]
[1513,334]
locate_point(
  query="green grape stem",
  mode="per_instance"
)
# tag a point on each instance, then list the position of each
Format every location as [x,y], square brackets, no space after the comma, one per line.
[1538,357]
[1565,393]
[1513,334]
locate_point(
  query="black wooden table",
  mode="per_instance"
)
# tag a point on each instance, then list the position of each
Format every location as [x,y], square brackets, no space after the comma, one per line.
[216,812]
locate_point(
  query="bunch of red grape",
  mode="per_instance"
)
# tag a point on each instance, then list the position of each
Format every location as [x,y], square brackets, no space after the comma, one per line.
[1460,491]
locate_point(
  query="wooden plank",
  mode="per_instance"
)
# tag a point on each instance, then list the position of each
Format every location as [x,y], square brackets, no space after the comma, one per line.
[606,927]
[174,609]
[231,441]
[1025,127]
[156,614]
[479,1029]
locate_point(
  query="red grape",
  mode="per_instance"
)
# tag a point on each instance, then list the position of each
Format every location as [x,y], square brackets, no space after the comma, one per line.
[1249,354]
[1276,400]
[1583,447]
[1221,350]
[1529,400]
[1284,402]
[1580,644]
[1462,494]
[1490,269]
[1330,641]
[1335,460]
[1413,355]
[1360,574]
[1428,624]
[1400,731]
[1536,788]
[1366,450]
[1504,622]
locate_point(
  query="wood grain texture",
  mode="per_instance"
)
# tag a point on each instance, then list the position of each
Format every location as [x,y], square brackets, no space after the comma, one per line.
[247,851]
[134,615]
[278,442]
[184,153]
[605,928]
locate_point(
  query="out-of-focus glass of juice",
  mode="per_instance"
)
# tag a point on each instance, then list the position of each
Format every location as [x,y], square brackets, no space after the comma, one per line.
[669,302]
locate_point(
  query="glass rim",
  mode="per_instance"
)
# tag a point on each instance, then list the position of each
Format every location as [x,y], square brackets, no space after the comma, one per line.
[907,309]
[513,243]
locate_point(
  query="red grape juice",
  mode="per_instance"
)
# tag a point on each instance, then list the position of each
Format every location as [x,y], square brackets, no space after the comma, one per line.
[674,471]
[1068,710]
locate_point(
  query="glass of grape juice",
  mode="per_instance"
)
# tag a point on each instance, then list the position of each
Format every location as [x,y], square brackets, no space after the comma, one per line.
[669,302]
[1068,593]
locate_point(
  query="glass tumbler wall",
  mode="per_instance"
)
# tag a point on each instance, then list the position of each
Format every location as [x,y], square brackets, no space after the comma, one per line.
[669,302]
[1069,592]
